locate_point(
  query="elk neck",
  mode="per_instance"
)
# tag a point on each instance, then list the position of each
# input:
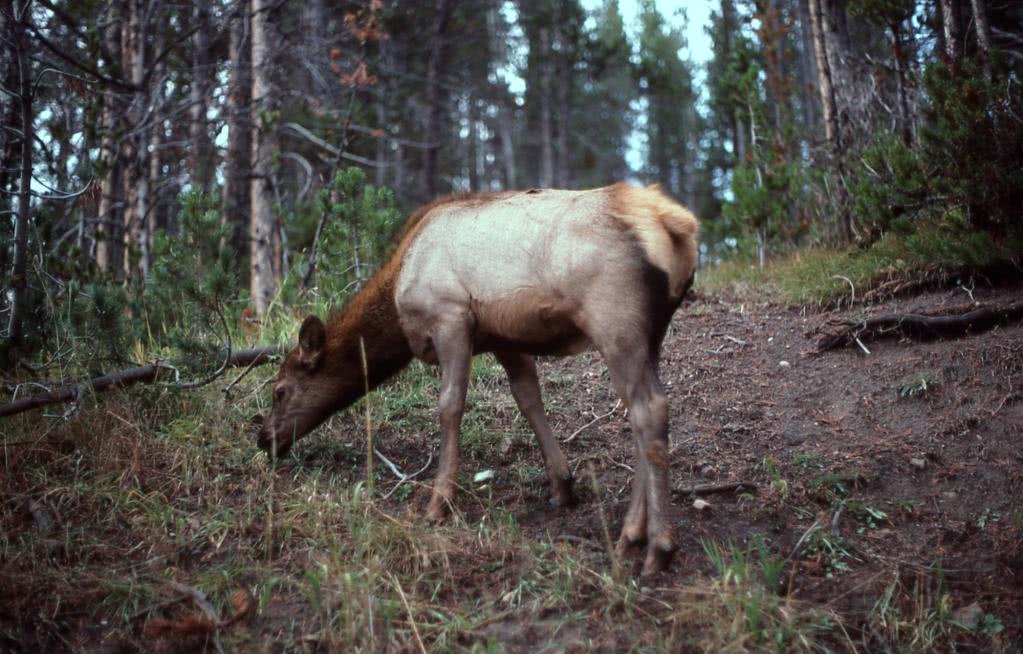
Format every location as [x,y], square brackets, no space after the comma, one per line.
[372,317]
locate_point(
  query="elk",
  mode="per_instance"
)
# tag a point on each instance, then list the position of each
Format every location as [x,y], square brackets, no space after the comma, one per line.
[517,274]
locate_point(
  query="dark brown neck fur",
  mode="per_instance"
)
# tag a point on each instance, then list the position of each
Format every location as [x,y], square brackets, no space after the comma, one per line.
[372,317]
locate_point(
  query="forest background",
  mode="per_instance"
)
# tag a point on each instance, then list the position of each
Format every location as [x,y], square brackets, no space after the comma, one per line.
[182,182]
[220,153]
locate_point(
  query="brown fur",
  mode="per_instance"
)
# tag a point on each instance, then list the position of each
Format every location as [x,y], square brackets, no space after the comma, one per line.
[557,271]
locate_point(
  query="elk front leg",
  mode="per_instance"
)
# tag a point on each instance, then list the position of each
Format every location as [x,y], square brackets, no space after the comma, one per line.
[454,354]
[525,388]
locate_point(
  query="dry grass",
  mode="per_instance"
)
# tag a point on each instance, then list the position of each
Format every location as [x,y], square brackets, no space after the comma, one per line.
[143,494]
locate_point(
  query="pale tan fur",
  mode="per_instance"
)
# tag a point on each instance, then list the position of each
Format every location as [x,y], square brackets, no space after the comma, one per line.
[659,223]
[517,274]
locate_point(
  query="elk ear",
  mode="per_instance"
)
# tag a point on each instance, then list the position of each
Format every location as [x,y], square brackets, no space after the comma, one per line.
[312,340]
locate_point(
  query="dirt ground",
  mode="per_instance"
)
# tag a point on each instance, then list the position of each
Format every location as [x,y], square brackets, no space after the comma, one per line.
[890,484]
[909,460]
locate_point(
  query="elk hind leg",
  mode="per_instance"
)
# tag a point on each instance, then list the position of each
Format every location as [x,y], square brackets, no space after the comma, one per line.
[634,526]
[634,374]
[525,388]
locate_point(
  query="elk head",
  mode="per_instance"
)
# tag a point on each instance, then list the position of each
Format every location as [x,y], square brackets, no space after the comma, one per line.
[303,393]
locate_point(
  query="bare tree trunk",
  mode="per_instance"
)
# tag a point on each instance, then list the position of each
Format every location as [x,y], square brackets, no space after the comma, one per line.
[108,227]
[905,128]
[136,177]
[155,172]
[950,20]
[262,225]
[983,35]
[734,121]
[824,74]
[546,127]
[808,69]
[819,21]
[19,271]
[442,14]
[473,159]
[10,119]
[238,163]
[564,111]
[201,149]
[506,125]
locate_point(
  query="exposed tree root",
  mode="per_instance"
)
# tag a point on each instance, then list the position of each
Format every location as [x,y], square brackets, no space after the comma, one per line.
[839,333]
[142,374]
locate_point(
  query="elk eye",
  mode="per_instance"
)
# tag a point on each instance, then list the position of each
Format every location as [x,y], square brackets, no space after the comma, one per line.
[279,394]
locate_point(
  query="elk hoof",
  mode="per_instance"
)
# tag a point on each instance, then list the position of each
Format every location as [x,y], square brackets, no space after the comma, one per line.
[658,557]
[436,512]
[562,494]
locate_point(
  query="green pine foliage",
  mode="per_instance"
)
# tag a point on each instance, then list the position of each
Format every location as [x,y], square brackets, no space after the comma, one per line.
[964,175]
[360,224]
[189,300]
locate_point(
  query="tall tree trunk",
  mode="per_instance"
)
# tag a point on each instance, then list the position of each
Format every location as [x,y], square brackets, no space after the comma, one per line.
[983,35]
[950,23]
[262,226]
[238,159]
[819,21]
[506,125]
[546,123]
[564,113]
[735,122]
[201,162]
[473,158]
[19,271]
[808,69]
[136,177]
[827,93]
[107,231]
[905,126]
[10,120]
[772,34]
[441,17]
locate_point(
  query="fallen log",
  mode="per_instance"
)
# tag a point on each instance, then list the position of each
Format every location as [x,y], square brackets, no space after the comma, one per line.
[917,326]
[138,375]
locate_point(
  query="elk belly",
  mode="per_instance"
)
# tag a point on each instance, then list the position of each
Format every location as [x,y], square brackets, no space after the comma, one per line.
[529,320]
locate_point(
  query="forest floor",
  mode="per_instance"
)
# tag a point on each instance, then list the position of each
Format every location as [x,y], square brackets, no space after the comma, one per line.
[881,508]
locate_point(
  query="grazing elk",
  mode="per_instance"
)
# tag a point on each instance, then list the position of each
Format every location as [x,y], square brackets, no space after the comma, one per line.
[518,274]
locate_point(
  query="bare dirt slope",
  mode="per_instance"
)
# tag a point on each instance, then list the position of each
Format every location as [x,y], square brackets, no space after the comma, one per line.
[889,486]
[901,470]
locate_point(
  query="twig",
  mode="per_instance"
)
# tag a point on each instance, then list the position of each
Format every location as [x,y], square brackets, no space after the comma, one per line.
[593,422]
[411,619]
[142,374]
[852,289]
[197,596]
[802,539]
[234,382]
[862,346]
[219,371]
[710,489]
[735,340]
[402,478]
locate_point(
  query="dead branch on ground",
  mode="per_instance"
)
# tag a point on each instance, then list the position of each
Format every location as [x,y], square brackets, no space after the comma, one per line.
[140,375]
[710,489]
[840,333]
